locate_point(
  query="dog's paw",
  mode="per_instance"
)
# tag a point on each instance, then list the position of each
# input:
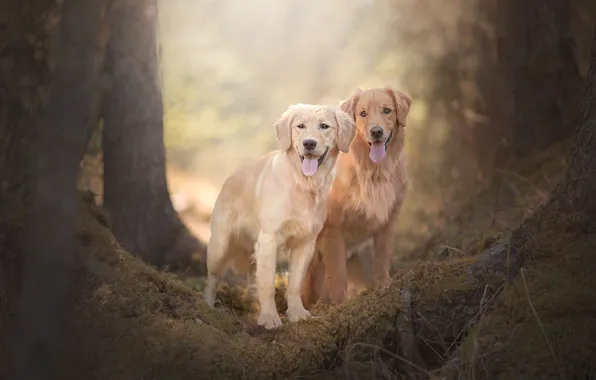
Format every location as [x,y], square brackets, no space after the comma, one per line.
[210,291]
[297,314]
[269,320]
[210,299]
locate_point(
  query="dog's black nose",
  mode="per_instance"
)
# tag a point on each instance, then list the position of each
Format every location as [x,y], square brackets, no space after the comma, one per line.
[376,132]
[309,144]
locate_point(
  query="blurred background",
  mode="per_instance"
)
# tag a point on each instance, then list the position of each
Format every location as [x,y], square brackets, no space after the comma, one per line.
[230,68]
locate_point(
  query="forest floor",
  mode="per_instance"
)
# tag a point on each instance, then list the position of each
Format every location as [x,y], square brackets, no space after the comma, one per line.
[435,321]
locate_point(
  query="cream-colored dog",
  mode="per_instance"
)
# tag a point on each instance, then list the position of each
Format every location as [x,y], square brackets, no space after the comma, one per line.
[278,203]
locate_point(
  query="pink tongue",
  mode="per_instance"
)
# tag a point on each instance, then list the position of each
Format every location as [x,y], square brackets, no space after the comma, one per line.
[377,152]
[310,166]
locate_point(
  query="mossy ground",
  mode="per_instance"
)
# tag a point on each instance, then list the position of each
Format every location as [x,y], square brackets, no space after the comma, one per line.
[137,322]
[132,321]
[544,324]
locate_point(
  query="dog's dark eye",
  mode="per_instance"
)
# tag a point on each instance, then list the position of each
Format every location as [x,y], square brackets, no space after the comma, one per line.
[301,126]
[363,114]
[387,111]
[324,126]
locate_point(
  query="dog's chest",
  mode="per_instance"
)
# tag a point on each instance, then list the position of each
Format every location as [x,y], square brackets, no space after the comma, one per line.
[373,202]
[308,215]
[315,211]
[368,207]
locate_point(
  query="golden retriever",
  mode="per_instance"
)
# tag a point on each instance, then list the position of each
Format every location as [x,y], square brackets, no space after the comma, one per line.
[278,203]
[366,196]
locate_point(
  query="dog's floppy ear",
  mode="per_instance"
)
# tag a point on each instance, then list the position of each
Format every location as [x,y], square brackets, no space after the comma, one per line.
[346,130]
[349,106]
[283,129]
[402,103]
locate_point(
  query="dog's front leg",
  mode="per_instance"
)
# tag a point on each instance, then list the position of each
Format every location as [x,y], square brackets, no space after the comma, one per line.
[383,243]
[266,256]
[312,285]
[299,260]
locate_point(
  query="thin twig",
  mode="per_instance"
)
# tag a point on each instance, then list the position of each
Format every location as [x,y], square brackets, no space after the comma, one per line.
[508,255]
[495,204]
[449,248]
[476,315]
[552,352]
[423,339]
[546,179]
[475,337]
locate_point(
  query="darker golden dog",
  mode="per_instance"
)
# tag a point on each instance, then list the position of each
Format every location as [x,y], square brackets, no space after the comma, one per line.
[366,196]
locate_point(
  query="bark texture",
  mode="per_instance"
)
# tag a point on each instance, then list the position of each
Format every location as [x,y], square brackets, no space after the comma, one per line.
[135,189]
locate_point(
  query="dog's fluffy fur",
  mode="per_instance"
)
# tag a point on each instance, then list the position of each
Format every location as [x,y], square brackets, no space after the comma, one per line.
[278,203]
[366,197]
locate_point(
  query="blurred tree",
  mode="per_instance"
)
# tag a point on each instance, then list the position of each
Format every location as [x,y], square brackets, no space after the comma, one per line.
[583,19]
[43,140]
[135,189]
[507,83]
[542,76]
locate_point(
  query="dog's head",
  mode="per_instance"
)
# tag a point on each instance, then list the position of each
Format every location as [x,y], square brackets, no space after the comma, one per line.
[314,132]
[378,114]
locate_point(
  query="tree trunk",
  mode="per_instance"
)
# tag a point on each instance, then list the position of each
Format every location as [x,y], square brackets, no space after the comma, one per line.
[577,192]
[39,190]
[24,69]
[25,43]
[536,49]
[135,189]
